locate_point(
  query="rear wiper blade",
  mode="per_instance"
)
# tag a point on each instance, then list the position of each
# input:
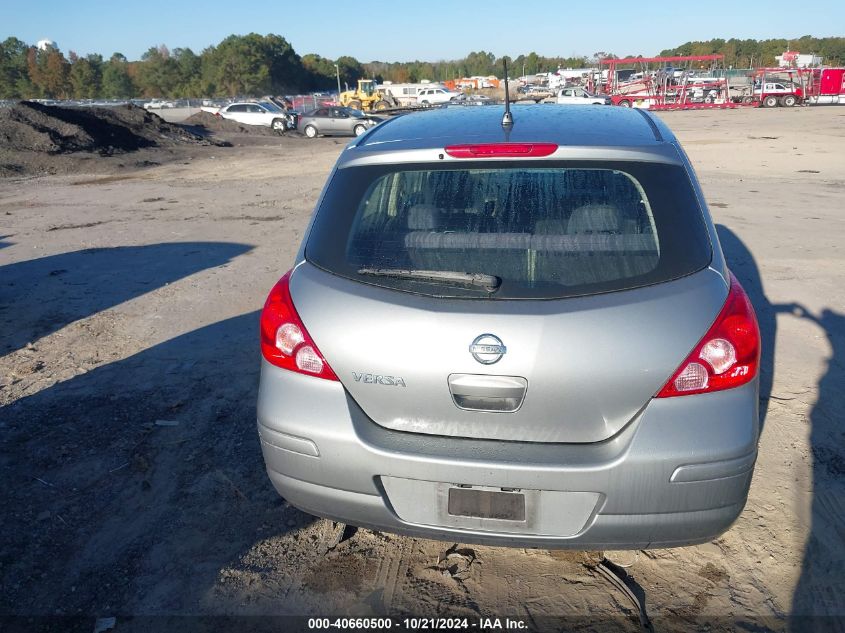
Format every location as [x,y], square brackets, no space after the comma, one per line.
[490,283]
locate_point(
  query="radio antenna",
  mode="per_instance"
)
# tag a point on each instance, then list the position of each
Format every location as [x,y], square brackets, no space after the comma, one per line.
[507,118]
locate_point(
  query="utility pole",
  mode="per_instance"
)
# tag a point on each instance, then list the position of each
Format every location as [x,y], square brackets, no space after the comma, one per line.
[337,72]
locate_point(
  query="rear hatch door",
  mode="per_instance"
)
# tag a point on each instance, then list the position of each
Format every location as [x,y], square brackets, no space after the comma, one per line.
[590,364]
[602,288]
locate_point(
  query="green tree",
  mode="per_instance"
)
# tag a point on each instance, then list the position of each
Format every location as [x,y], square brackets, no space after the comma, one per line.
[158,73]
[532,63]
[253,65]
[351,70]
[481,63]
[286,72]
[86,75]
[117,84]
[240,67]
[189,73]
[14,76]
[320,72]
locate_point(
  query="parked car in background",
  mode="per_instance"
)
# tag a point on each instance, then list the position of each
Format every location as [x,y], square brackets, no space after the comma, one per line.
[534,91]
[471,99]
[433,96]
[771,94]
[534,342]
[260,113]
[157,104]
[336,121]
[577,96]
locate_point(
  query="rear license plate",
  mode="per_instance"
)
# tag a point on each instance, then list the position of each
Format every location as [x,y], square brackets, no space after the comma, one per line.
[486,504]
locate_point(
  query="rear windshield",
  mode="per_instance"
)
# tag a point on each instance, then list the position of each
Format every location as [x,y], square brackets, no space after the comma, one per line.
[558,230]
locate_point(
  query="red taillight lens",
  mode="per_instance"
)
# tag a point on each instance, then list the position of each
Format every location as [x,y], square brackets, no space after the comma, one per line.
[509,150]
[729,354]
[284,340]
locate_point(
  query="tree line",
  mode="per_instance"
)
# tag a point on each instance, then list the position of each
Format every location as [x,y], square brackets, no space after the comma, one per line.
[251,65]
[239,65]
[245,65]
[757,53]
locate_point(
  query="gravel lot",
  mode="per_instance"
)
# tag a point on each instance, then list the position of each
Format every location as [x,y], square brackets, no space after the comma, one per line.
[134,483]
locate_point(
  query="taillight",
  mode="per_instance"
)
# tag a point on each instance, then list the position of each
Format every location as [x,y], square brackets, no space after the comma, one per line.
[494,150]
[284,340]
[729,354]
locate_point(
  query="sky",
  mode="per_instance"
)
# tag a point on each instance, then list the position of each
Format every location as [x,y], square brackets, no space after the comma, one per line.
[429,30]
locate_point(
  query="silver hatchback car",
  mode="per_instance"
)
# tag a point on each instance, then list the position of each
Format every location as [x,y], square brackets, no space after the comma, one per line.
[518,335]
[336,121]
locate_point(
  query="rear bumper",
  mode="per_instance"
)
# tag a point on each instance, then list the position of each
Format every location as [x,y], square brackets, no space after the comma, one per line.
[678,474]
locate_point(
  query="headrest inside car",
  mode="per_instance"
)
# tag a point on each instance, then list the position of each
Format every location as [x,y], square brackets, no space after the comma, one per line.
[423,217]
[594,218]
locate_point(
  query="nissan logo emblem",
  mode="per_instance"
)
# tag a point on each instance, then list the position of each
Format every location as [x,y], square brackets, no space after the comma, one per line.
[487,349]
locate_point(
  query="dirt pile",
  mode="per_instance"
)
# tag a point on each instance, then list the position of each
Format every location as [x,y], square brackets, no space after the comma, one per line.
[33,127]
[217,124]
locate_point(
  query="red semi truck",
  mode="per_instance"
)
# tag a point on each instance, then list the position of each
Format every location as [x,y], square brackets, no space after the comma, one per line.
[826,86]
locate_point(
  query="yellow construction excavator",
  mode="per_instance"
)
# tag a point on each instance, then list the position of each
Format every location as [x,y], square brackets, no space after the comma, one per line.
[367,97]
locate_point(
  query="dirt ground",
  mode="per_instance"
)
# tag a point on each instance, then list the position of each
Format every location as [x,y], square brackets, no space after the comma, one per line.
[133,479]
[38,139]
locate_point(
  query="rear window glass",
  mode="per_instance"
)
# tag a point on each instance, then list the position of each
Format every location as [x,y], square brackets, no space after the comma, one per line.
[550,231]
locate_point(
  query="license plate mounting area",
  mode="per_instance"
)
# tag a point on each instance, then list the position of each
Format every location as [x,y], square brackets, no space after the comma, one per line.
[486,504]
